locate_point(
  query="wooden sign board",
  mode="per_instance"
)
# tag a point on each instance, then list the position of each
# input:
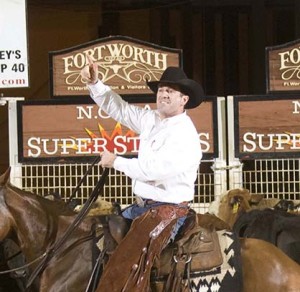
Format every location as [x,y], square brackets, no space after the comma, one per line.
[62,130]
[125,64]
[267,126]
[283,67]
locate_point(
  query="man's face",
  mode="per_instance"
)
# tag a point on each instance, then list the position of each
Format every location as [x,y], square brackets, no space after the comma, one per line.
[170,101]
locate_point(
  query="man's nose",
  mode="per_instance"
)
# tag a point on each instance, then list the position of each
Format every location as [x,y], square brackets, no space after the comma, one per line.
[164,93]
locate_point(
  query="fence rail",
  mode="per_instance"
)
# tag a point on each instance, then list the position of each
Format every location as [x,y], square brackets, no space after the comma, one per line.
[62,179]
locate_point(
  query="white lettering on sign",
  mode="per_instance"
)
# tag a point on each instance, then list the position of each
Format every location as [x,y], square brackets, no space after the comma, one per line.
[88,112]
[120,144]
[296,107]
[204,141]
[254,142]
[290,66]
[13,50]
[128,62]
[115,52]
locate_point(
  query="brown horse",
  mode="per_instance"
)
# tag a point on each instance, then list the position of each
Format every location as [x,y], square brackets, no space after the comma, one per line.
[38,223]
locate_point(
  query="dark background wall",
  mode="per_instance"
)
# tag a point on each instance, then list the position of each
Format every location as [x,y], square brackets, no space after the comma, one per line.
[223,41]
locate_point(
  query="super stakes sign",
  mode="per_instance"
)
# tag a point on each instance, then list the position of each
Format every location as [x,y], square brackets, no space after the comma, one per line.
[71,127]
[65,130]
[267,126]
[13,48]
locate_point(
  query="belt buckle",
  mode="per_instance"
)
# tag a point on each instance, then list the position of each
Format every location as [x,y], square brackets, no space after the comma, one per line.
[139,201]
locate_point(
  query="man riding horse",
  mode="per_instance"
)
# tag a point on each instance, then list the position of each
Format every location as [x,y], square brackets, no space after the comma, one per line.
[165,170]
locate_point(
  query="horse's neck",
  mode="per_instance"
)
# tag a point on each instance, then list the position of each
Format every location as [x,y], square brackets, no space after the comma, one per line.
[39,223]
[39,236]
[32,226]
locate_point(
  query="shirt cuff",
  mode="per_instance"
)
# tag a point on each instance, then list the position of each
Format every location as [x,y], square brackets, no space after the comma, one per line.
[98,88]
[119,162]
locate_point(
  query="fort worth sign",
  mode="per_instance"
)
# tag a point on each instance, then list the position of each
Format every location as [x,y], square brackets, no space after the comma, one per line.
[123,63]
[283,67]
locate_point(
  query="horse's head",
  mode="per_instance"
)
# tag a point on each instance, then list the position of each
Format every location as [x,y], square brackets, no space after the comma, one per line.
[231,204]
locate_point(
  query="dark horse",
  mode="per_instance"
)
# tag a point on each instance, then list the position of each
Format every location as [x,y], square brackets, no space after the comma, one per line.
[278,227]
[275,226]
[38,223]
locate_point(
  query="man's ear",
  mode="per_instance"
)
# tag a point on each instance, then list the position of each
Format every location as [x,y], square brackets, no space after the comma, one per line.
[185,99]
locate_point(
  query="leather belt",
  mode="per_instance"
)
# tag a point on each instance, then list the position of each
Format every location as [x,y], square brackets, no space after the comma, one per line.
[181,204]
[143,202]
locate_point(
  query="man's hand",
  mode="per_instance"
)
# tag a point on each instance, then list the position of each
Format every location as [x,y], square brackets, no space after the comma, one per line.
[89,73]
[107,159]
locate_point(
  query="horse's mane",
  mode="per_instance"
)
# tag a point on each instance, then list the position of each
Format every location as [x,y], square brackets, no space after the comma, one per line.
[58,207]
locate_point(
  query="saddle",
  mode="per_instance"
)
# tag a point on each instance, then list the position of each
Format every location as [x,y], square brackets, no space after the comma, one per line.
[196,249]
[115,227]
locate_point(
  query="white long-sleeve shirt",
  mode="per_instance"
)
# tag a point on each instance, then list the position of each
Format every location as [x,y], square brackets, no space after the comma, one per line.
[169,152]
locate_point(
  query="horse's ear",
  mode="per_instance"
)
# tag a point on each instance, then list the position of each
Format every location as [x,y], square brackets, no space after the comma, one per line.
[242,194]
[4,177]
[256,198]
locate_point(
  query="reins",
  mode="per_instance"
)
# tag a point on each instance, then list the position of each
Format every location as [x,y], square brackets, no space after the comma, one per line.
[52,251]
[24,266]
[28,264]
[83,178]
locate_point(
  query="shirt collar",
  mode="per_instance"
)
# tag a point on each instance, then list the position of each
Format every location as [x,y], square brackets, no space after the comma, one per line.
[171,120]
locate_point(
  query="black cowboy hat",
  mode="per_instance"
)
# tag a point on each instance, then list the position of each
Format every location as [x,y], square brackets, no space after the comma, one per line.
[176,76]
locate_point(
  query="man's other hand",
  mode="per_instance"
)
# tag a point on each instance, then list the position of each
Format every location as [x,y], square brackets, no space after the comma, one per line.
[107,159]
[89,73]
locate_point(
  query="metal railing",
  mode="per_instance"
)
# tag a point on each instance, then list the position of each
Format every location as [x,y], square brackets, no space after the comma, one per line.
[62,179]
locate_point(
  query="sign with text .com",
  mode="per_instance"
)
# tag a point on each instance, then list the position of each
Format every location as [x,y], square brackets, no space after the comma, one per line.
[13,44]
